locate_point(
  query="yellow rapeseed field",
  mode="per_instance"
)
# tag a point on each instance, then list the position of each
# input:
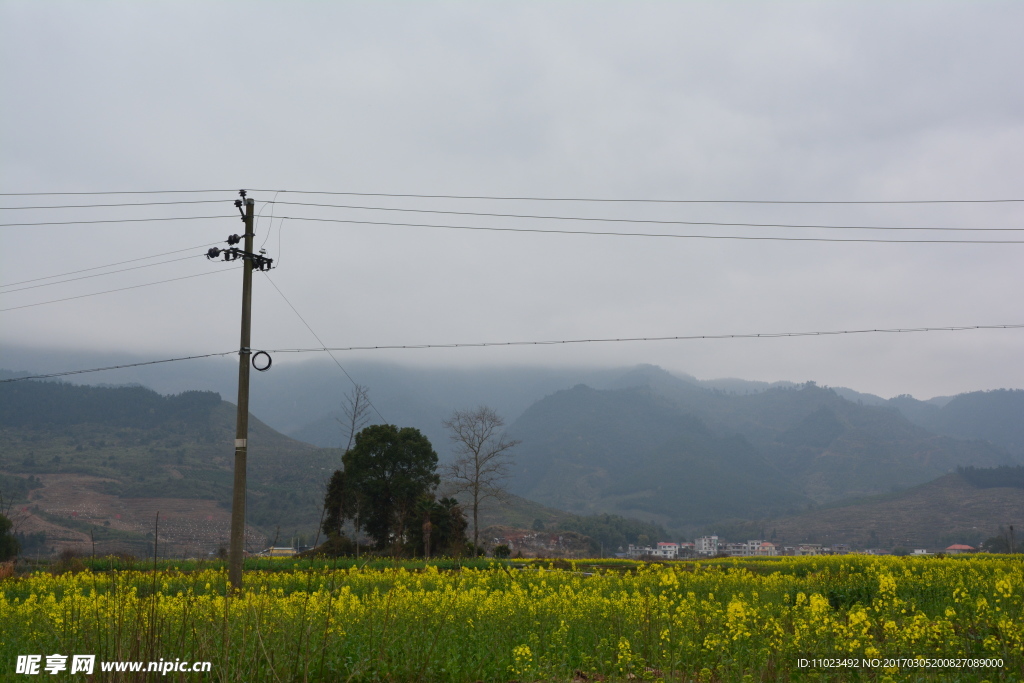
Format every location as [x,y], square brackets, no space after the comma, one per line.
[819,618]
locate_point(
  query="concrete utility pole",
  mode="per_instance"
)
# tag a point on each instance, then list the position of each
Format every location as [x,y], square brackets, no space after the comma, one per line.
[252,262]
[237,546]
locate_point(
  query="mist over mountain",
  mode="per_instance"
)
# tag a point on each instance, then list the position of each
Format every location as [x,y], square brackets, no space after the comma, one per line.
[633,452]
[996,416]
[665,449]
[87,466]
[303,399]
[640,441]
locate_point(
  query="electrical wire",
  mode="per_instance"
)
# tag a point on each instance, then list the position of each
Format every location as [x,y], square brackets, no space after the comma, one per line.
[71,194]
[273,207]
[599,232]
[115,367]
[118,220]
[758,335]
[336,361]
[111,265]
[762,335]
[532,199]
[645,221]
[651,201]
[107,206]
[85,277]
[505,215]
[280,226]
[647,234]
[121,289]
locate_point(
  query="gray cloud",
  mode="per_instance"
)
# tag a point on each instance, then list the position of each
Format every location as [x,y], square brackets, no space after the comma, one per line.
[686,100]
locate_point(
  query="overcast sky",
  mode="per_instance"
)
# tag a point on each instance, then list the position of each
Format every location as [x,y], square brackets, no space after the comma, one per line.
[694,101]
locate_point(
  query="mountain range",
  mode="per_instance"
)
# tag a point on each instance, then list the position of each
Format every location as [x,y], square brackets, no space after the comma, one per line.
[683,455]
[637,442]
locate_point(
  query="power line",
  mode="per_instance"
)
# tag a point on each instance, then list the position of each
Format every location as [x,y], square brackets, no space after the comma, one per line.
[71,194]
[586,232]
[115,367]
[99,206]
[531,199]
[118,220]
[642,234]
[753,335]
[640,220]
[653,201]
[111,265]
[598,232]
[273,207]
[85,277]
[336,362]
[110,291]
[762,335]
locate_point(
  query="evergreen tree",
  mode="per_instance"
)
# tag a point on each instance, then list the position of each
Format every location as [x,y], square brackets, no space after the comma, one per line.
[385,474]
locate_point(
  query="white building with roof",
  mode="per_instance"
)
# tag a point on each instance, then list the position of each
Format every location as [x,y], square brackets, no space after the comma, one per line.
[706,546]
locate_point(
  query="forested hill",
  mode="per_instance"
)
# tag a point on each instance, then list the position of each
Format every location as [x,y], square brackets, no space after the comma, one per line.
[98,463]
[681,454]
[997,416]
[43,404]
[635,453]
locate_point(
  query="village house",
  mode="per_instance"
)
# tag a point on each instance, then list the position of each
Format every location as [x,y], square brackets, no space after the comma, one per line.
[706,546]
[663,551]
[637,551]
[808,549]
[958,548]
[755,548]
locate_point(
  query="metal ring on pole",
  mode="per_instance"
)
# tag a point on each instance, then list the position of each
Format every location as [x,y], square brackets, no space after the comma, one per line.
[265,367]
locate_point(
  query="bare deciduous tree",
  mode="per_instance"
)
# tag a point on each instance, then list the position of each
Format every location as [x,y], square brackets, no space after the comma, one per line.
[354,412]
[354,409]
[483,457]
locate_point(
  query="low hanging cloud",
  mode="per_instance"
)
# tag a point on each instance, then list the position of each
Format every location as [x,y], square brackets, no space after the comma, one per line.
[630,100]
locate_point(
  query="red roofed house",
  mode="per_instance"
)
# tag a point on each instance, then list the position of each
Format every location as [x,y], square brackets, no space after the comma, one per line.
[959,548]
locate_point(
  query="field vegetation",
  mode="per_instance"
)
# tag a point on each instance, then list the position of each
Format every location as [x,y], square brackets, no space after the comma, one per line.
[719,620]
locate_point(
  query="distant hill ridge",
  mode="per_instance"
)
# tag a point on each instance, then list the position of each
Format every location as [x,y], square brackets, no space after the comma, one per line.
[34,404]
[996,416]
[967,506]
[85,462]
[666,449]
[640,442]
[302,399]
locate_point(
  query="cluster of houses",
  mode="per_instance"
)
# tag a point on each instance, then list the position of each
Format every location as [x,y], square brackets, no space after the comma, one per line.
[711,546]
